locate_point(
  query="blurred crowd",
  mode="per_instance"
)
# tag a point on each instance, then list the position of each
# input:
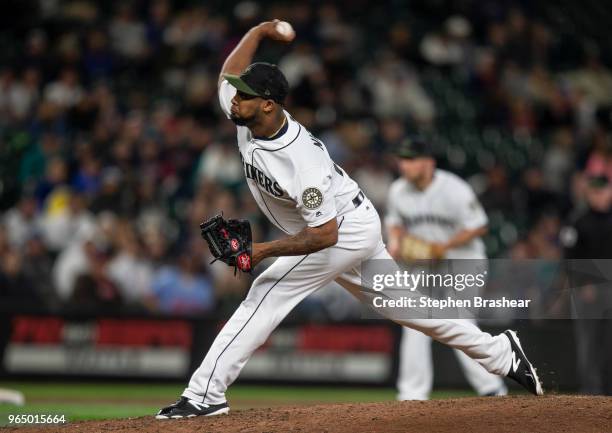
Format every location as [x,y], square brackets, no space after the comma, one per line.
[113,148]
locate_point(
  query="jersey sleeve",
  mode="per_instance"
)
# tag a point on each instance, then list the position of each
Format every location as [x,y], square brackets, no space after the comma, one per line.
[226,93]
[470,213]
[393,216]
[314,195]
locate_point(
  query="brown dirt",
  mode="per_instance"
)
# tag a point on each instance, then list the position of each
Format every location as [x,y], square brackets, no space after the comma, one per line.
[500,414]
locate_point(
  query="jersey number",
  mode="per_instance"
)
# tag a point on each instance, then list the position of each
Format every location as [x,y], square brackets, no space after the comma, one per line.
[319,144]
[316,141]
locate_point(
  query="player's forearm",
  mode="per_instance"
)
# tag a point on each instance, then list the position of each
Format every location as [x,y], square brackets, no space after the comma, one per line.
[242,55]
[395,233]
[465,236]
[308,241]
[394,239]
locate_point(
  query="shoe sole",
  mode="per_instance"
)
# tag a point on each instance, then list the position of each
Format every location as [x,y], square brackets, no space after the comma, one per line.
[539,389]
[222,411]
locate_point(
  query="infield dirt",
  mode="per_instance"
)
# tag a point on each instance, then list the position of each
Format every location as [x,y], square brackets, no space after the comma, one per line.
[556,413]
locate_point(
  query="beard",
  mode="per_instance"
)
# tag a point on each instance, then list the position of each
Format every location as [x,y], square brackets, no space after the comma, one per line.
[241,121]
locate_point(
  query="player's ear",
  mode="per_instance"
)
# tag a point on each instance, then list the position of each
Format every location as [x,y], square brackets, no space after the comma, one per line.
[268,106]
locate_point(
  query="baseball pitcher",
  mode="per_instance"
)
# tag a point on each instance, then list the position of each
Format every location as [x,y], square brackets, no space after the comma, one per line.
[433,214]
[330,226]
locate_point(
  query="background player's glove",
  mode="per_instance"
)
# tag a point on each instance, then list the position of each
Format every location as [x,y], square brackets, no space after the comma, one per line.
[229,241]
[413,248]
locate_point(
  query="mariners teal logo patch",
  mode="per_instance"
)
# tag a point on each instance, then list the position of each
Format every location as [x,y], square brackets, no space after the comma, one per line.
[312,198]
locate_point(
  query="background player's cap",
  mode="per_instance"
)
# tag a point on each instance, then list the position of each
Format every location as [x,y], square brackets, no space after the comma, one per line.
[598,180]
[414,147]
[261,79]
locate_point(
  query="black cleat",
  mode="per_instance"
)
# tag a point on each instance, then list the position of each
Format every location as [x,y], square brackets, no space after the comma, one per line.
[185,408]
[521,369]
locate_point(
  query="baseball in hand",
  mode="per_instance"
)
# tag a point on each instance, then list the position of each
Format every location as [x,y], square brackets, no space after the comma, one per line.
[285,29]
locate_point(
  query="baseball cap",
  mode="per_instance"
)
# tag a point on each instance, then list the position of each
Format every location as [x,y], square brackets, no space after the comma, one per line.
[261,79]
[414,147]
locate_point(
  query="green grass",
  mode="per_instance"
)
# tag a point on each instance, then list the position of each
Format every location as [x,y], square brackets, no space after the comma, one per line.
[77,412]
[82,401]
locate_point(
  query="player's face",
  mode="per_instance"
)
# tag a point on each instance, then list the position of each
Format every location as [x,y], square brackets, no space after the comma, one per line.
[415,170]
[245,109]
[600,198]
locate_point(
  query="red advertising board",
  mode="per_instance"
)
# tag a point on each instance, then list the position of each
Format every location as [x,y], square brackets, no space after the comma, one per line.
[163,348]
[99,347]
[325,353]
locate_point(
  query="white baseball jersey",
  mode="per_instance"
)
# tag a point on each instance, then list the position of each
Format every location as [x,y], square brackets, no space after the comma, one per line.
[291,175]
[447,206]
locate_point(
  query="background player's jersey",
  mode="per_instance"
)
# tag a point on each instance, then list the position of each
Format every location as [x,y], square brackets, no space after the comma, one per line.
[291,176]
[438,213]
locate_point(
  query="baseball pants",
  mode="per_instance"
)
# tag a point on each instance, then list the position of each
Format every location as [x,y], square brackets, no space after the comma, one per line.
[290,279]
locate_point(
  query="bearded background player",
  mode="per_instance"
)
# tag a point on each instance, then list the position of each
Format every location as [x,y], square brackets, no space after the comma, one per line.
[331,229]
[439,212]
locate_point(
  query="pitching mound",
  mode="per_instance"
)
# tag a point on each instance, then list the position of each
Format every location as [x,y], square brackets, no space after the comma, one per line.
[500,414]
